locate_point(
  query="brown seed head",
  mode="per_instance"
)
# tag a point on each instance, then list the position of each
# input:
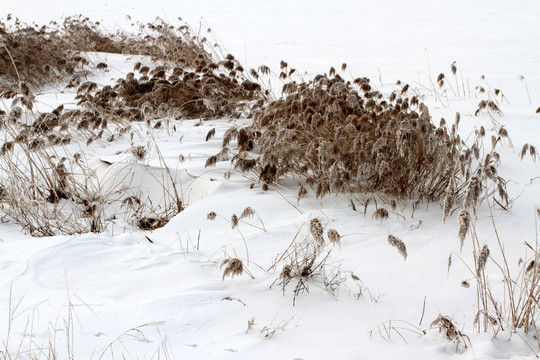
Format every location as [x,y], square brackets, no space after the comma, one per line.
[381,214]
[234,221]
[233,267]
[247,213]
[473,192]
[138,152]
[464,222]
[482,260]
[316,230]
[399,245]
[333,236]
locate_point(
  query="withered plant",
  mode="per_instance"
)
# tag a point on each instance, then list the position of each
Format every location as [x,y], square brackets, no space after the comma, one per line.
[451,332]
[305,264]
[174,90]
[187,77]
[41,193]
[48,190]
[34,55]
[517,307]
[340,137]
[184,76]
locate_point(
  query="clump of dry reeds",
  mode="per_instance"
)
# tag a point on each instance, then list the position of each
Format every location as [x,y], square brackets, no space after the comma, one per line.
[48,190]
[347,137]
[42,195]
[187,77]
[306,263]
[519,308]
[205,89]
[159,40]
[35,56]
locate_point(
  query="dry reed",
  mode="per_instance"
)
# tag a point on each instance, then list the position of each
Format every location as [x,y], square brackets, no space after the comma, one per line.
[399,245]
[342,137]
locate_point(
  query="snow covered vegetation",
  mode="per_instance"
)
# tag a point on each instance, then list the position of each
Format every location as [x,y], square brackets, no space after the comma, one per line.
[303,180]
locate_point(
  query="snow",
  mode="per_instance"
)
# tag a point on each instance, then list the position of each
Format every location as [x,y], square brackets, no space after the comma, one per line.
[160,294]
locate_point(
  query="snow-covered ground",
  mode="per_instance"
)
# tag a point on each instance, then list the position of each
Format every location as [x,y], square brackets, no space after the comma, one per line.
[119,294]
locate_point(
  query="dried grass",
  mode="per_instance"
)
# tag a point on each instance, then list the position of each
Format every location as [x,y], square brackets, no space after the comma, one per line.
[35,56]
[233,267]
[344,137]
[180,92]
[306,264]
[187,78]
[519,308]
[451,332]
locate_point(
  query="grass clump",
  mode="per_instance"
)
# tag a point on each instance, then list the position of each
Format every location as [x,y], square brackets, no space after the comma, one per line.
[173,91]
[305,263]
[348,137]
[514,306]
[42,195]
[185,78]
[161,41]
[34,55]
[185,75]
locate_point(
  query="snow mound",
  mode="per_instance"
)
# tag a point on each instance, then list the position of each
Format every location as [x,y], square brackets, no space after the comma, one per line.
[151,185]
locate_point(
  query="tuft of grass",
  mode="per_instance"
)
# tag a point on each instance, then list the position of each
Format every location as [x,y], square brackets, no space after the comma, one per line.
[343,137]
[35,56]
[519,308]
[451,332]
[306,264]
